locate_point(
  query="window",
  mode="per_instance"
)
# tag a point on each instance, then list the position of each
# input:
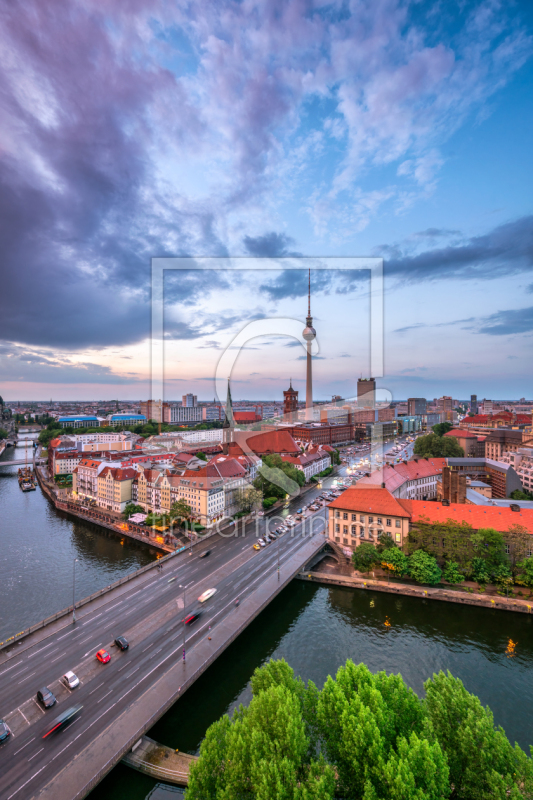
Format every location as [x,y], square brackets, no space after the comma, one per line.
[370,520]
[362,533]
[389,522]
[398,537]
[345,529]
[397,523]
[354,517]
[345,515]
[337,528]
[345,541]
[507,549]
[362,518]
[380,521]
[337,514]
[353,530]
[337,539]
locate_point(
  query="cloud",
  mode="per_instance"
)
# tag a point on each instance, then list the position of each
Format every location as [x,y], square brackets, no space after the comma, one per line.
[270,245]
[19,364]
[502,323]
[505,250]
[529,289]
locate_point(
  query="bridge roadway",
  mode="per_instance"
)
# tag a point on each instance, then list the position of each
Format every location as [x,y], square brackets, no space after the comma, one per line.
[21,461]
[124,698]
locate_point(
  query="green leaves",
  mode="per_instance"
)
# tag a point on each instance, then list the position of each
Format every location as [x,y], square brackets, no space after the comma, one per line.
[395,561]
[424,568]
[452,573]
[362,737]
[436,446]
[365,556]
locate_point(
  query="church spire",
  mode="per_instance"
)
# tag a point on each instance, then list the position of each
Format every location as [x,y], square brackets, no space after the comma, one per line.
[229,421]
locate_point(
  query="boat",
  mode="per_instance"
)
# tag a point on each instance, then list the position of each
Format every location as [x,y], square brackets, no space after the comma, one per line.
[26,476]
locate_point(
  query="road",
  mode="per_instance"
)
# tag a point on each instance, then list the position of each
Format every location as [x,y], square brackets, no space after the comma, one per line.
[150,615]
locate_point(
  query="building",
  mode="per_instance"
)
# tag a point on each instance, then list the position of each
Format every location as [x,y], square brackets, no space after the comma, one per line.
[502,441]
[214,412]
[85,478]
[246,417]
[366,393]
[521,460]
[363,515]
[410,480]
[179,415]
[126,419]
[501,477]
[290,404]
[189,400]
[473,445]
[229,423]
[154,410]
[64,462]
[311,463]
[114,488]
[309,334]
[213,435]
[267,443]
[79,422]
[316,433]
[473,403]
[416,405]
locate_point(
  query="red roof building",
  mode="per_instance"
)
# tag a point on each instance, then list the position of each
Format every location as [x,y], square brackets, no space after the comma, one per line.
[409,479]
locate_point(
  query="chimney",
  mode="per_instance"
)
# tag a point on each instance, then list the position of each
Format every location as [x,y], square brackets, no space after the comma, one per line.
[382,485]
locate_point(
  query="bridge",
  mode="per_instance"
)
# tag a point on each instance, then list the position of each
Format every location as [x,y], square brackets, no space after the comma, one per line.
[21,462]
[124,698]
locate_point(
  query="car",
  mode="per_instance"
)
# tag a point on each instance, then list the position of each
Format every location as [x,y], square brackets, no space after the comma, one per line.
[46,697]
[261,543]
[257,546]
[204,554]
[300,511]
[192,617]
[206,595]
[66,718]
[70,680]
[5,731]
[122,643]
[103,656]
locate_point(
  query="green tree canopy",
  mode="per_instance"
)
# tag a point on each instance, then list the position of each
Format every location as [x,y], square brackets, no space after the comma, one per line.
[201,456]
[386,542]
[441,428]
[132,508]
[525,572]
[365,556]
[3,433]
[424,568]
[180,510]
[395,561]
[452,573]
[433,446]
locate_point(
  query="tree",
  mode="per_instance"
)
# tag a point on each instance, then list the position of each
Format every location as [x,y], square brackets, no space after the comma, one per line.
[479,570]
[263,751]
[519,494]
[395,561]
[441,428]
[502,576]
[365,556]
[386,542]
[452,573]
[248,499]
[424,568]
[201,456]
[481,761]
[278,478]
[525,573]
[489,545]
[3,433]
[433,446]
[132,508]
[180,510]
[335,457]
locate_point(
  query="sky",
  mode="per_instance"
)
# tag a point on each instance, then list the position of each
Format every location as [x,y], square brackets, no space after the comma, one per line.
[136,129]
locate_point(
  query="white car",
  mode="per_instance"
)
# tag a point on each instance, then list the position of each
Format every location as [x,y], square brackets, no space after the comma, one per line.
[206,595]
[261,543]
[70,680]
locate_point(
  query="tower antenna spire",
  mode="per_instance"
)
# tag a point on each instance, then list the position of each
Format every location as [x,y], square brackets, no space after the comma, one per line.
[309,295]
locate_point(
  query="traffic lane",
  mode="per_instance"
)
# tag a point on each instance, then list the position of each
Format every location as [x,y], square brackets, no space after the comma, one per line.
[34,752]
[156,593]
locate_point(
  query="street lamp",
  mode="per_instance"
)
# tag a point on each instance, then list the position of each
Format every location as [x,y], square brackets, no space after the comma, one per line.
[183,587]
[74,592]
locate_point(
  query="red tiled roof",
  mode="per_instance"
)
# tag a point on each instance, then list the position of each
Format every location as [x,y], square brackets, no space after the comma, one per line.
[246,416]
[475,420]
[268,442]
[461,434]
[395,475]
[477,516]
[370,500]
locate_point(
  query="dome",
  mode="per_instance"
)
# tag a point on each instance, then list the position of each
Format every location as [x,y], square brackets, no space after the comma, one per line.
[309,333]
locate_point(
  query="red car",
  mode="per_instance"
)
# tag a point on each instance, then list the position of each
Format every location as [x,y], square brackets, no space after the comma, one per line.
[192,617]
[103,656]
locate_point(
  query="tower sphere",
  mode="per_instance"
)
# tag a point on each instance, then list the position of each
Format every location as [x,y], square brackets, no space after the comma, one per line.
[309,333]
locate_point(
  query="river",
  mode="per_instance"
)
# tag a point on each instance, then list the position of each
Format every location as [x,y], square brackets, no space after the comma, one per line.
[38,545]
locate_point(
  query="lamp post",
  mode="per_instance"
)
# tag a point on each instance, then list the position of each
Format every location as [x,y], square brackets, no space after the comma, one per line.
[74,592]
[183,587]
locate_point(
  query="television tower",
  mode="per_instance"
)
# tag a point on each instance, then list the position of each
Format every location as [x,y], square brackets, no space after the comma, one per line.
[309,335]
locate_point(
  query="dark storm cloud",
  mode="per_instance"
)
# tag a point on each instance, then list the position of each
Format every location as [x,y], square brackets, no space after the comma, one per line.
[505,250]
[502,323]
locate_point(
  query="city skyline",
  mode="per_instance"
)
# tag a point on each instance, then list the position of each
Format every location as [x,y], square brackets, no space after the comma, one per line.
[390,131]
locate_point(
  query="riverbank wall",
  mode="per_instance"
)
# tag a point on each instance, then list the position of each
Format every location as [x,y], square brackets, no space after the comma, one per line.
[446,595]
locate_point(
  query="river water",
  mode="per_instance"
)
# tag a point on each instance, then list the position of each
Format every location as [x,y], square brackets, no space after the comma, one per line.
[38,545]
[314,628]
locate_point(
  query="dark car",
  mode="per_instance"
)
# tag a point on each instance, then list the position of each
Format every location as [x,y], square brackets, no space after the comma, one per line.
[63,720]
[205,554]
[192,617]
[5,731]
[122,643]
[46,697]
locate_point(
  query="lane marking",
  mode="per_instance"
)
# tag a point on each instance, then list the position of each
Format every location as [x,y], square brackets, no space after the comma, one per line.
[24,715]
[35,754]
[95,647]
[96,687]
[27,676]
[104,696]
[25,784]
[38,706]
[57,658]
[23,746]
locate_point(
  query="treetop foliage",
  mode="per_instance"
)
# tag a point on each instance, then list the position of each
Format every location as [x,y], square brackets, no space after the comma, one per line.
[362,737]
